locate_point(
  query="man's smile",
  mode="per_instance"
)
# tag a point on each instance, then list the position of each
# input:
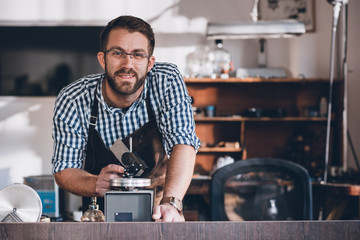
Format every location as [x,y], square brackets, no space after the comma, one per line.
[126,75]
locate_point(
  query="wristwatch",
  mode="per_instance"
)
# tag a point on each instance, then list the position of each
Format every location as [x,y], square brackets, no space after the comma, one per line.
[173,201]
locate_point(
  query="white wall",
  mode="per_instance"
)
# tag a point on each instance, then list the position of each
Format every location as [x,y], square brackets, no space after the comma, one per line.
[179,26]
[25,137]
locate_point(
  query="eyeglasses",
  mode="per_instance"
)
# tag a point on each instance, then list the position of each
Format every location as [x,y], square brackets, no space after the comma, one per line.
[118,54]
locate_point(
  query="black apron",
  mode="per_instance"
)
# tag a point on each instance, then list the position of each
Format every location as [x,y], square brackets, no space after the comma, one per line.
[146,142]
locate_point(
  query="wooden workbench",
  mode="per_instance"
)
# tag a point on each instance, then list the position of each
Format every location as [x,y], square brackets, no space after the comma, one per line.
[293,230]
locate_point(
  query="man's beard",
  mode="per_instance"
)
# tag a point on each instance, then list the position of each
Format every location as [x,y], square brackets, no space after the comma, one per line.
[124,89]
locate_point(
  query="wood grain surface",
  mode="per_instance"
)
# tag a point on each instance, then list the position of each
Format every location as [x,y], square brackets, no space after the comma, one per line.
[188,230]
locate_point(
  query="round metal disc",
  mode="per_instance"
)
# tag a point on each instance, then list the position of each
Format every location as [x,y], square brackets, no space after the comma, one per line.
[130,182]
[19,202]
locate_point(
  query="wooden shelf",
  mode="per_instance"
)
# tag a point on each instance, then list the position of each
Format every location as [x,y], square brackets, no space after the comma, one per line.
[255,80]
[291,137]
[267,136]
[261,119]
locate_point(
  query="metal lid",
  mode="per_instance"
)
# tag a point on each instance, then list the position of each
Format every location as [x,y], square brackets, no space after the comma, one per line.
[130,182]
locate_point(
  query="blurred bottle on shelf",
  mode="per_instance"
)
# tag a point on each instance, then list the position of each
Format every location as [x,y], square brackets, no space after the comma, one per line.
[270,210]
[220,60]
[323,107]
[262,54]
[197,64]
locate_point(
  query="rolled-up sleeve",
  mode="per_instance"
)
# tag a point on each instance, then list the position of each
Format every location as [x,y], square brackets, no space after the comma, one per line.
[177,117]
[69,140]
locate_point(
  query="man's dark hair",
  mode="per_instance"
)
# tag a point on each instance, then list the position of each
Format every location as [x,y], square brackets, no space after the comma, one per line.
[132,24]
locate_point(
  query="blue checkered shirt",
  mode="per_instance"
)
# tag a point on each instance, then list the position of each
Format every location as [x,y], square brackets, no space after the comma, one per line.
[169,99]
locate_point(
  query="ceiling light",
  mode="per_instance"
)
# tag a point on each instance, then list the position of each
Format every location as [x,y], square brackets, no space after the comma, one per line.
[259,29]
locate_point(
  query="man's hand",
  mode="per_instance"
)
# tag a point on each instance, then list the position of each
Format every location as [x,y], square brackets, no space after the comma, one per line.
[166,213]
[107,173]
[82,183]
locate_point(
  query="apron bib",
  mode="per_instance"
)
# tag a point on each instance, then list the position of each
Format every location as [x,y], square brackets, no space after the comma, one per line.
[146,142]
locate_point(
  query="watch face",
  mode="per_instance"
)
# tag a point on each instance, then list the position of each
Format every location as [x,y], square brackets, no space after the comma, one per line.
[177,204]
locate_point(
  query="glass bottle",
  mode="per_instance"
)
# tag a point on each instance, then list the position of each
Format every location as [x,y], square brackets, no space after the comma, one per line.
[270,210]
[93,214]
[220,60]
[323,107]
[197,64]
[262,53]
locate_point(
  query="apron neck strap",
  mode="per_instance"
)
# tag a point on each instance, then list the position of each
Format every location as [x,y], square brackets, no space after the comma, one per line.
[148,107]
[94,112]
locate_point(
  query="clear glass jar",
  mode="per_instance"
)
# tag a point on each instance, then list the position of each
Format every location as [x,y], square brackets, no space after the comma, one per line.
[220,60]
[197,64]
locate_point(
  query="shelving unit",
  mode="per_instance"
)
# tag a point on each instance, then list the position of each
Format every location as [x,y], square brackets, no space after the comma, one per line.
[297,101]
[288,127]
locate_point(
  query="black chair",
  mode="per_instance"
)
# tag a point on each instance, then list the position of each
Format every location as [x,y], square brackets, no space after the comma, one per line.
[261,189]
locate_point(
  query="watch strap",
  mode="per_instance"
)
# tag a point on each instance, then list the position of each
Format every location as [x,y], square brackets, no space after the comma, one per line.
[173,201]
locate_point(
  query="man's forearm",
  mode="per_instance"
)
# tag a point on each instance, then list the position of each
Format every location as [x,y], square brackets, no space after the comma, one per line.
[77,181]
[179,171]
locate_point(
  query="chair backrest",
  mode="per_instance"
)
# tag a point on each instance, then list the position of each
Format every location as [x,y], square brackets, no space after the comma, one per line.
[261,189]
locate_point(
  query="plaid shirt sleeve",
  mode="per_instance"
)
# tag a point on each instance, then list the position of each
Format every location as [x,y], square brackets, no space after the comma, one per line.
[69,139]
[176,115]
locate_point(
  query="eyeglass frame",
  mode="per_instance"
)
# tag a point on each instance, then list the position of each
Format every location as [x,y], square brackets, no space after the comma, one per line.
[124,54]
